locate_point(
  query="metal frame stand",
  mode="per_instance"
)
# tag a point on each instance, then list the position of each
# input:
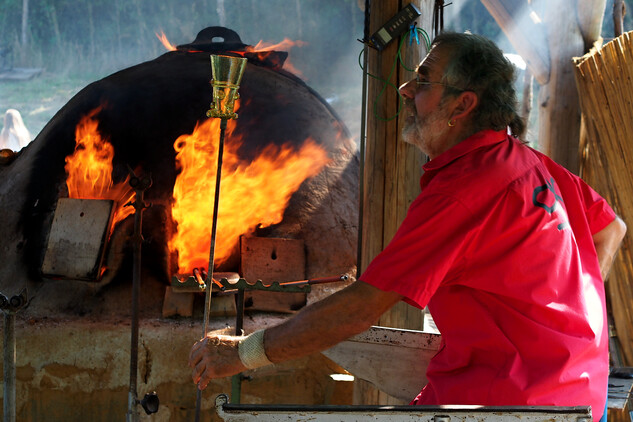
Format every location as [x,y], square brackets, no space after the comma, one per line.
[150,402]
[10,307]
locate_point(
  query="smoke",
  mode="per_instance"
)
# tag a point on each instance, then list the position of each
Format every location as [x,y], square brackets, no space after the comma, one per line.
[83,41]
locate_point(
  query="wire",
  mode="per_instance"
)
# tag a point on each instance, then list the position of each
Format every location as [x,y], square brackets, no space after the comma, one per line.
[413,34]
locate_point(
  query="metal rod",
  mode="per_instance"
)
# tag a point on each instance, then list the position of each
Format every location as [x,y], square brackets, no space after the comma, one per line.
[311,282]
[214,226]
[239,321]
[204,275]
[139,186]
[197,274]
[361,153]
[10,307]
[314,281]
[209,280]
[236,380]
[9,366]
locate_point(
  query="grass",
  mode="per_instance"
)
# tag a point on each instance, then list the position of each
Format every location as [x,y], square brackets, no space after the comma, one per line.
[39,98]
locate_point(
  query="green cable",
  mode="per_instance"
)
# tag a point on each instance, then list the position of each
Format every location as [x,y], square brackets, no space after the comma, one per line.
[386,82]
[427,44]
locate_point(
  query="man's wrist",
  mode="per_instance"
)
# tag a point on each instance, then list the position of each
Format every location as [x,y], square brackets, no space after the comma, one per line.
[251,350]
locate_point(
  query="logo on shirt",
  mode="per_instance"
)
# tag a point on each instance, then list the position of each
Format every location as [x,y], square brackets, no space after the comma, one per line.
[545,196]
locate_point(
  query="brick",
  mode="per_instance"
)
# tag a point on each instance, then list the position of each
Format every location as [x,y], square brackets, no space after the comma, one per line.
[177,304]
[273,259]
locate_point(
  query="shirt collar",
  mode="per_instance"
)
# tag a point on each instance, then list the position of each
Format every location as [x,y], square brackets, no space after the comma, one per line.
[478,140]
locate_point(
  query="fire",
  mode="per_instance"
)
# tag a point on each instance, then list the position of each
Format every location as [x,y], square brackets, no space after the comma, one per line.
[252,194]
[163,39]
[89,168]
[262,50]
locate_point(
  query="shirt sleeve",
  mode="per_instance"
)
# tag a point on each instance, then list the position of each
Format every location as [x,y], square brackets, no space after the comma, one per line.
[599,213]
[425,250]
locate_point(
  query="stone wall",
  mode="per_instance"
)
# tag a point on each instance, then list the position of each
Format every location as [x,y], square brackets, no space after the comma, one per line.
[79,370]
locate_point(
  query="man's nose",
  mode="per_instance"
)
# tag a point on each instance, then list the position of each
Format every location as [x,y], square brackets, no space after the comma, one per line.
[407,89]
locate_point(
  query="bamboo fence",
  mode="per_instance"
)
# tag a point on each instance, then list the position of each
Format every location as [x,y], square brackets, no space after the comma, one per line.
[604,78]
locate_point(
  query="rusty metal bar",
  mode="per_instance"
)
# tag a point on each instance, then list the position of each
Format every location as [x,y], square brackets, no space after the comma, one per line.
[9,367]
[236,380]
[284,286]
[10,307]
[139,185]
[313,281]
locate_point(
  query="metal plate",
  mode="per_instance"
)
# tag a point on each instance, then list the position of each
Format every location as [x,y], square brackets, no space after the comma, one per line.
[76,242]
[259,413]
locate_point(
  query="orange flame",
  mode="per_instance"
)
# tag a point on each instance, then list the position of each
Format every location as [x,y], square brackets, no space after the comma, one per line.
[251,194]
[287,43]
[89,168]
[263,49]
[163,39]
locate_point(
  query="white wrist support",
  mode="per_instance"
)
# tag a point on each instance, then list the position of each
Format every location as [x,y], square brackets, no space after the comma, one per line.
[251,350]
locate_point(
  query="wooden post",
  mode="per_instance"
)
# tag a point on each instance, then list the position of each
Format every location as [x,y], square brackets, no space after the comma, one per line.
[392,167]
[558,105]
[619,9]
[569,34]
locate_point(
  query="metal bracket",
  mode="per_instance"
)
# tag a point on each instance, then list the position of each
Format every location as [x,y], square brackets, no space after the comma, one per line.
[15,303]
[191,284]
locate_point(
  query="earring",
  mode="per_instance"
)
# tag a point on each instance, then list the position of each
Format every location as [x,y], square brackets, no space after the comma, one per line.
[450,123]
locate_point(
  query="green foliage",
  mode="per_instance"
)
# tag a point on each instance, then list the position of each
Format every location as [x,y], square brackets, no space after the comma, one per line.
[106,35]
[89,39]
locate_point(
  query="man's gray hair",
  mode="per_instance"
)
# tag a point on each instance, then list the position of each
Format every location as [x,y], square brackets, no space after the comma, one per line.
[477,64]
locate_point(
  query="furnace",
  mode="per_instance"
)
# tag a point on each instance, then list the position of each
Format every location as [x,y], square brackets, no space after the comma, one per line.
[144,113]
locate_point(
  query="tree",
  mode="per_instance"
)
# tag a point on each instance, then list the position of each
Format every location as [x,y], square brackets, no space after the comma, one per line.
[25,22]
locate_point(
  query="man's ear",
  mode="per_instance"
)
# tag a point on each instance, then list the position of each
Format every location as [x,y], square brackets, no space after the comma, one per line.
[465,105]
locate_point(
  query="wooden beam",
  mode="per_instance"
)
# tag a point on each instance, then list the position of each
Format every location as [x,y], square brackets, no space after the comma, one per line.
[392,167]
[590,17]
[526,33]
[619,10]
[559,108]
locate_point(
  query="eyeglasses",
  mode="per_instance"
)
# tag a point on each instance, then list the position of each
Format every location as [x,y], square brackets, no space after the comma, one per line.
[418,82]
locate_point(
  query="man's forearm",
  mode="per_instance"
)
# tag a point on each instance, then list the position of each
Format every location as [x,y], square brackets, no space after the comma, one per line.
[316,328]
[607,242]
[328,322]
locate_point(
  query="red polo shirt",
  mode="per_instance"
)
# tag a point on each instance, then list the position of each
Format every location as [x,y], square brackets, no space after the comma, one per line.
[499,245]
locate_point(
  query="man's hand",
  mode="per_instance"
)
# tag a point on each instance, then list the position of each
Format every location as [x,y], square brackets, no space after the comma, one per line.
[317,327]
[214,356]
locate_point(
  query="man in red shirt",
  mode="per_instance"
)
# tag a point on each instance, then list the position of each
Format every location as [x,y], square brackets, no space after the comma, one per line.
[508,250]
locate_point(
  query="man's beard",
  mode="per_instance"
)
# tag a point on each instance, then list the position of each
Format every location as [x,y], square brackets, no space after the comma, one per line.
[424,132]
